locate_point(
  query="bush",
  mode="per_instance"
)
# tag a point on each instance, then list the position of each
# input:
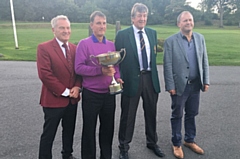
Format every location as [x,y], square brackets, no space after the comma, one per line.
[160,43]
[208,22]
[230,22]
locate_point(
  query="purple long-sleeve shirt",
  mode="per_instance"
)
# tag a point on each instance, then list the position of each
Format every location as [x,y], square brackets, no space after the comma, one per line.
[93,79]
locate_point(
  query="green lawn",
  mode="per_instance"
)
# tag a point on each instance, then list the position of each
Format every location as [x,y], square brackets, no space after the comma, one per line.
[223,45]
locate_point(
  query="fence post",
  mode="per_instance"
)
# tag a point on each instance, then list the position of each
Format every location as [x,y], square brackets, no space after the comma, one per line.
[89,31]
[118,26]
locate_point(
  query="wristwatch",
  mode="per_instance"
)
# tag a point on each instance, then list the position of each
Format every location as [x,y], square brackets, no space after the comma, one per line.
[80,89]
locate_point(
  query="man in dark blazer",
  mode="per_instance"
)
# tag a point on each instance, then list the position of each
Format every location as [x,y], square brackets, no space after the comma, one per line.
[139,81]
[186,71]
[60,88]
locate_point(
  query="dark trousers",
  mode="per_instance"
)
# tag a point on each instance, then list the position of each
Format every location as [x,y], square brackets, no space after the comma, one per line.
[94,105]
[189,101]
[52,118]
[129,107]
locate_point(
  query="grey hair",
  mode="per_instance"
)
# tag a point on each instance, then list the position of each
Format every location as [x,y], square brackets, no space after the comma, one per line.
[138,7]
[96,13]
[180,15]
[55,19]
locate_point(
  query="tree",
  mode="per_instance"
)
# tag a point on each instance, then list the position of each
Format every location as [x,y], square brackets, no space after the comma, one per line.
[158,11]
[221,6]
[206,9]
[86,10]
[174,9]
[237,11]
[5,12]
[80,3]
[116,10]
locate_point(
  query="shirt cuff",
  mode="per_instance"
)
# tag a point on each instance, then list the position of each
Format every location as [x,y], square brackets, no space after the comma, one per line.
[66,92]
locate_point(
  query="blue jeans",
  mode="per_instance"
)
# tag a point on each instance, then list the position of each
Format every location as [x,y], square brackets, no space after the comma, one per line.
[190,101]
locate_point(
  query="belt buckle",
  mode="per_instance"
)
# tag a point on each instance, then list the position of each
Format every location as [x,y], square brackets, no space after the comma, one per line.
[143,72]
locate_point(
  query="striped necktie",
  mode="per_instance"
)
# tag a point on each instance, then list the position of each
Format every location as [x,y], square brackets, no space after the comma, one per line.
[143,50]
[68,57]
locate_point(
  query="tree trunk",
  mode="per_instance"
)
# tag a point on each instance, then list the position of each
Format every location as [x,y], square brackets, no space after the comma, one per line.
[118,26]
[89,31]
[221,17]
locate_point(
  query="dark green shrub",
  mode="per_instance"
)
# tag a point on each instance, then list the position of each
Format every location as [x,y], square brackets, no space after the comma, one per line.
[160,43]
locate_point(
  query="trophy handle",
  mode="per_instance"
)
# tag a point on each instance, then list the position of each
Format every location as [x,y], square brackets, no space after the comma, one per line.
[124,50]
[91,58]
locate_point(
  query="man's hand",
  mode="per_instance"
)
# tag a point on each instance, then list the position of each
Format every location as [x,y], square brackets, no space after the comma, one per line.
[206,86]
[74,92]
[108,71]
[172,92]
[119,80]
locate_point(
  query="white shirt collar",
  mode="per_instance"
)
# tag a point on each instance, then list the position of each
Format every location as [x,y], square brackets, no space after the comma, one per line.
[60,42]
[136,30]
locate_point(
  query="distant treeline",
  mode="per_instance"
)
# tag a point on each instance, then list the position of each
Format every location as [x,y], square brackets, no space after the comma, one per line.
[160,11]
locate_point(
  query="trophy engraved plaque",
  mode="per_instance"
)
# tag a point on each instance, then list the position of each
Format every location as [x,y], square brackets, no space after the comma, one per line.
[110,59]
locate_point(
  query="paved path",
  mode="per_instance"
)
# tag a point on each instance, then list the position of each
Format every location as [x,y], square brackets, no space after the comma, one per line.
[21,117]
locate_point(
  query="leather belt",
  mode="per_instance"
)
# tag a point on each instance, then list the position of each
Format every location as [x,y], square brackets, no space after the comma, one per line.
[144,72]
[192,81]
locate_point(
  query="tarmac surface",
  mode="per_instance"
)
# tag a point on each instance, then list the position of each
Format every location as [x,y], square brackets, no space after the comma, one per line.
[21,117]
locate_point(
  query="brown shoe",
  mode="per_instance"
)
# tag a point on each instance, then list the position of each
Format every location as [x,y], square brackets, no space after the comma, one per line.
[177,151]
[194,147]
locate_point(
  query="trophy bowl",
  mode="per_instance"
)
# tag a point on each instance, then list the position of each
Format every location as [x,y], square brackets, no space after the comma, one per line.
[110,59]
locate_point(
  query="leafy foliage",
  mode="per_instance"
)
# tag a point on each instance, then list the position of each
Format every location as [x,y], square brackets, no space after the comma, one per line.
[160,11]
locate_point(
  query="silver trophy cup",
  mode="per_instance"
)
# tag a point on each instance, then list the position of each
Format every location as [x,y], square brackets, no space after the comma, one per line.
[110,59]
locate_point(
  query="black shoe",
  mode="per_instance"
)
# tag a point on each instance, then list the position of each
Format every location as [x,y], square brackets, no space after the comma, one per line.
[156,149]
[123,155]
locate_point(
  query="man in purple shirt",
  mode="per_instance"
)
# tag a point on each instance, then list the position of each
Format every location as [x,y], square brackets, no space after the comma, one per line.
[96,99]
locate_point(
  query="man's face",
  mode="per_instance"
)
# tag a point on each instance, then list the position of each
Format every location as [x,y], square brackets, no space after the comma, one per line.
[99,26]
[186,23]
[62,30]
[140,20]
